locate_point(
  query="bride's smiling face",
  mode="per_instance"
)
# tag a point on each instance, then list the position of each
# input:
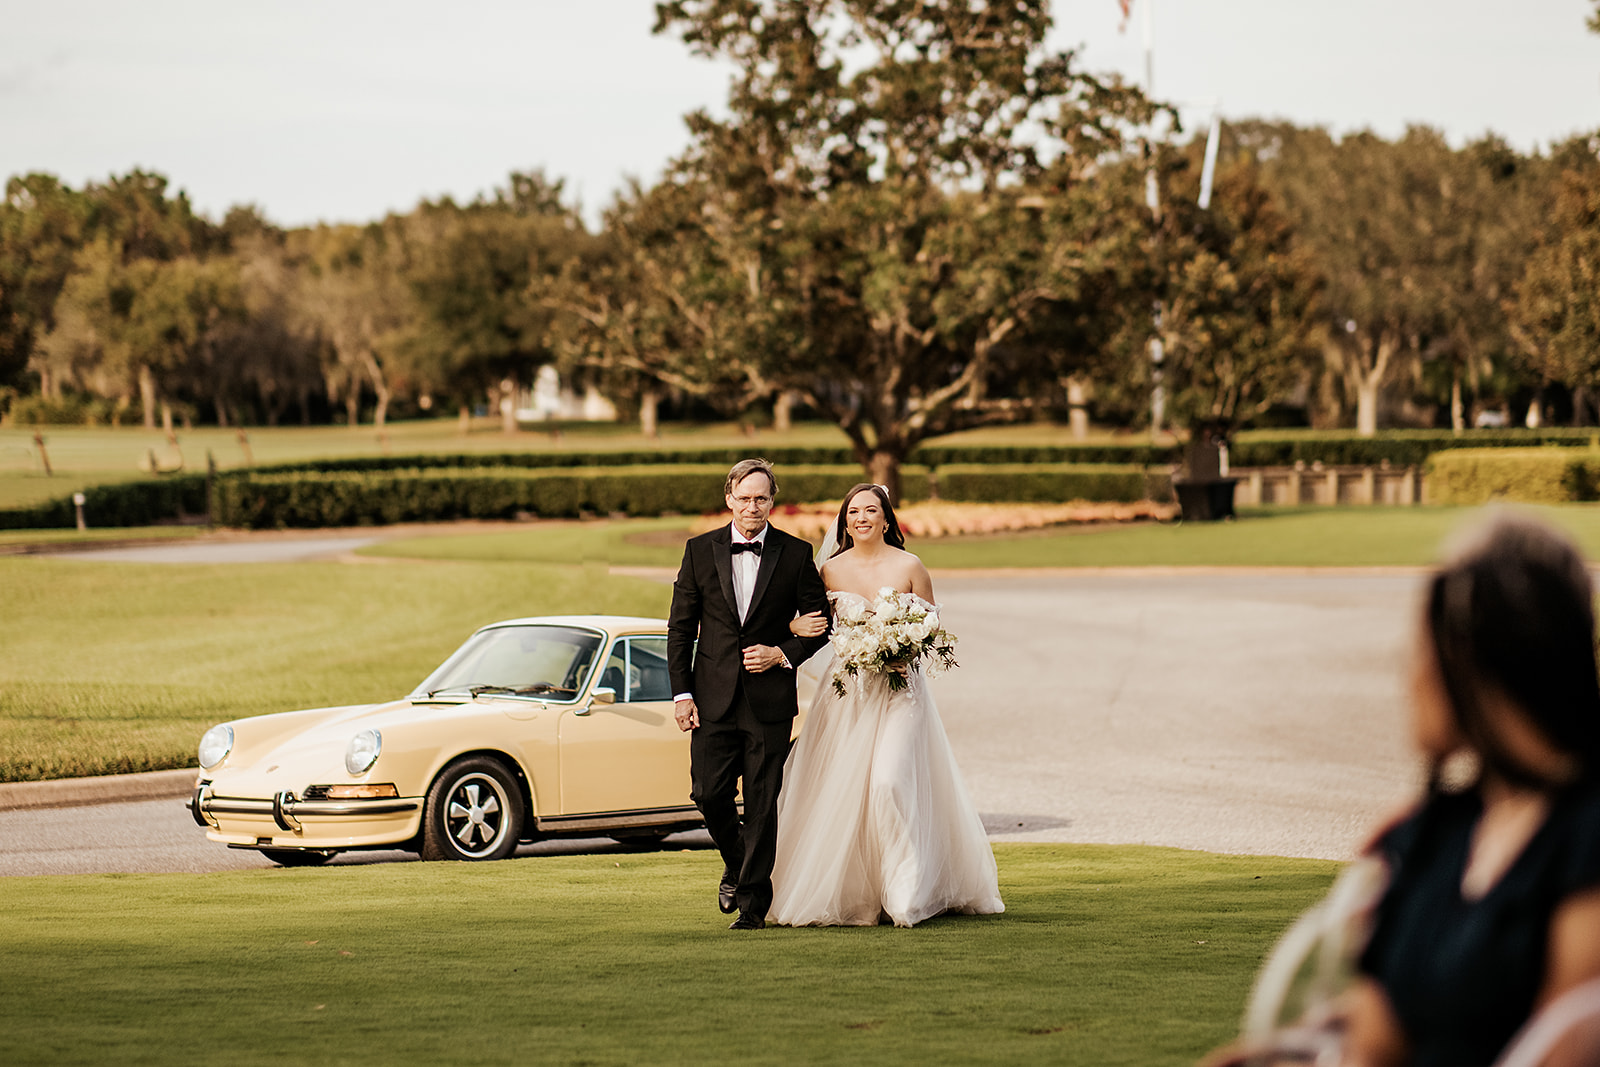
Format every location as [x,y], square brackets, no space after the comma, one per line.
[863,518]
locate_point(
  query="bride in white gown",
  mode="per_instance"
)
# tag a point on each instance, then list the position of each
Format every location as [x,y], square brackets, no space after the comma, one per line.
[874,822]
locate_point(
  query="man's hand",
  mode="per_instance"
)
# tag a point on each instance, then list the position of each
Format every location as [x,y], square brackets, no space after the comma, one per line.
[687,712]
[758,658]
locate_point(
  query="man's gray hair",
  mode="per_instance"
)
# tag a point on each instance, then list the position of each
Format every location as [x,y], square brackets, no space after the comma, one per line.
[744,469]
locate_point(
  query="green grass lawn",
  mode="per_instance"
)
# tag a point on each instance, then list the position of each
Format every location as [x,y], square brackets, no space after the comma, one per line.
[1105,956]
[94,536]
[109,668]
[1262,537]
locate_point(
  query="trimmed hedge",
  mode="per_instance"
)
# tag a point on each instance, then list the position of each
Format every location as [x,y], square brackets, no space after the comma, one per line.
[1253,449]
[1142,455]
[783,457]
[142,503]
[1532,475]
[1051,483]
[971,472]
[1400,448]
[383,497]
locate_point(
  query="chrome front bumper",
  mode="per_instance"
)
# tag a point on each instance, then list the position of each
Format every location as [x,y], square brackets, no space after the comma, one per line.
[286,809]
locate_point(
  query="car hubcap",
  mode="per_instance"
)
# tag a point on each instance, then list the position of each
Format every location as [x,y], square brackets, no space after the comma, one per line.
[476,814]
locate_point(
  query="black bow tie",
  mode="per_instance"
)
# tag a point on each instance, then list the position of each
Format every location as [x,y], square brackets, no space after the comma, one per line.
[746,546]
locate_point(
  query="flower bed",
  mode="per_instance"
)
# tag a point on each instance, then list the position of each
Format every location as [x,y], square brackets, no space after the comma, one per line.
[951,519]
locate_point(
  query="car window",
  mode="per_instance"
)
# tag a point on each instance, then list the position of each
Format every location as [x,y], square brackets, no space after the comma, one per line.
[647,669]
[636,670]
[551,662]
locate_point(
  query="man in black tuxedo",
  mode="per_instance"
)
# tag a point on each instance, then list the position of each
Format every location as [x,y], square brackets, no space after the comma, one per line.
[737,590]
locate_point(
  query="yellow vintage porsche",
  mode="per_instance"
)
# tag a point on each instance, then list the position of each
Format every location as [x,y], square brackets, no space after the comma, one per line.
[534,728]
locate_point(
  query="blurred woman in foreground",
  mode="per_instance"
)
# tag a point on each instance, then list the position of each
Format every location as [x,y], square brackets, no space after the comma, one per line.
[1493,904]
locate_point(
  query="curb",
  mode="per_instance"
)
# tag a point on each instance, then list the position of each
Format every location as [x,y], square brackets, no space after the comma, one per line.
[106,789]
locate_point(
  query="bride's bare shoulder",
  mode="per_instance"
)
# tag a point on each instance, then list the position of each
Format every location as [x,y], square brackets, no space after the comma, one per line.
[910,562]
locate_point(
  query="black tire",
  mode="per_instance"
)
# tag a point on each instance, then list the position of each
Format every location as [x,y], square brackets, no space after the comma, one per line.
[474,812]
[296,857]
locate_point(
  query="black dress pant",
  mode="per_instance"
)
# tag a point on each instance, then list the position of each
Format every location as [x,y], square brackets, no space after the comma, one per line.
[720,754]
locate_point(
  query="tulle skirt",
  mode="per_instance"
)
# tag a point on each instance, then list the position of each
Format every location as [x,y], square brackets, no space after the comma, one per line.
[874,821]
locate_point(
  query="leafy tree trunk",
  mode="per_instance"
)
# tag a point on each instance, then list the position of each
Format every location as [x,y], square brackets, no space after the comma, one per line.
[650,413]
[1458,421]
[1365,363]
[781,418]
[147,396]
[508,405]
[883,468]
[1367,407]
[352,405]
[1077,407]
[380,387]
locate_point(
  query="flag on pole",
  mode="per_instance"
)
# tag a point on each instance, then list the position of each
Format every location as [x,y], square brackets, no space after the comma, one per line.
[1127,10]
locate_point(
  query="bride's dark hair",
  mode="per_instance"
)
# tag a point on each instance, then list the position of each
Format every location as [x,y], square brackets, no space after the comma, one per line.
[893,536]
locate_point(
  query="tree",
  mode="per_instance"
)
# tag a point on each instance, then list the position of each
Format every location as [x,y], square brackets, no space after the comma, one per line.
[649,307]
[87,336]
[1555,312]
[42,225]
[1398,232]
[134,212]
[1238,298]
[179,311]
[274,352]
[354,291]
[484,312]
[834,250]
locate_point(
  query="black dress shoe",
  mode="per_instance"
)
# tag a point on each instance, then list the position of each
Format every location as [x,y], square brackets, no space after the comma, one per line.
[725,893]
[746,922]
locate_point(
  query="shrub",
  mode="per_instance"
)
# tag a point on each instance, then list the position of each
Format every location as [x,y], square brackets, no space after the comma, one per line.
[142,503]
[353,498]
[71,410]
[1532,475]
[1051,483]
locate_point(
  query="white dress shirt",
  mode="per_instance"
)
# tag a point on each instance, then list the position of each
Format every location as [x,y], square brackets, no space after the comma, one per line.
[746,566]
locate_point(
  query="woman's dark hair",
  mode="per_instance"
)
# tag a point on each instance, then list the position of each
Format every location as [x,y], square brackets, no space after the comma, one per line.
[1514,612]
[892,534]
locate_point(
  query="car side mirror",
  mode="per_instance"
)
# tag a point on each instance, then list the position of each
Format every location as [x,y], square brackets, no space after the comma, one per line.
[604,694]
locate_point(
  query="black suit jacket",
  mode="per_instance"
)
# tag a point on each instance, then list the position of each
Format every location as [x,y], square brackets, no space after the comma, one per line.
[704,607]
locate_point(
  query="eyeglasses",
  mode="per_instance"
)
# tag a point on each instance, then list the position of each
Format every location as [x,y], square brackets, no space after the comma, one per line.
[752,501]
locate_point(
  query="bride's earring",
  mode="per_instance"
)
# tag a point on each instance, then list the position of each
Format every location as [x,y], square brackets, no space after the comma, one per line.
[1460,770]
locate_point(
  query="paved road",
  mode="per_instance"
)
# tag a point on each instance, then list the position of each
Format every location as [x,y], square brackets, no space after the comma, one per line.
[1236,712]
[1245,711]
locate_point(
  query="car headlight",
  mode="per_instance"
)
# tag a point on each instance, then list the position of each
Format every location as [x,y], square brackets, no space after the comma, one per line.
[215,745]
[362,751]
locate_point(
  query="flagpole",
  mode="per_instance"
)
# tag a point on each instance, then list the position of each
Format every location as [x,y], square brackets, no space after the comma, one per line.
[1152,199]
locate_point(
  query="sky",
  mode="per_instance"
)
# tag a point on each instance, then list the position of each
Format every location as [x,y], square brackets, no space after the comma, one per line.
[344,110]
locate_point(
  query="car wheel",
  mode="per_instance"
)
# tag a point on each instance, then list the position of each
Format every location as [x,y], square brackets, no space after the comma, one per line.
[296,857]
[474,812]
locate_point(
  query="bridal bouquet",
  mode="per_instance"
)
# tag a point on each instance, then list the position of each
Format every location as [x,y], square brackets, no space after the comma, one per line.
[888,636]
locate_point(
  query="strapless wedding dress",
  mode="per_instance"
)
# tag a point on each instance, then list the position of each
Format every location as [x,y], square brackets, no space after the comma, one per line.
[874,821]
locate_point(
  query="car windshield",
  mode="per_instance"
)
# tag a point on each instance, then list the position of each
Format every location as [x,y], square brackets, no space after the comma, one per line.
[549,662]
